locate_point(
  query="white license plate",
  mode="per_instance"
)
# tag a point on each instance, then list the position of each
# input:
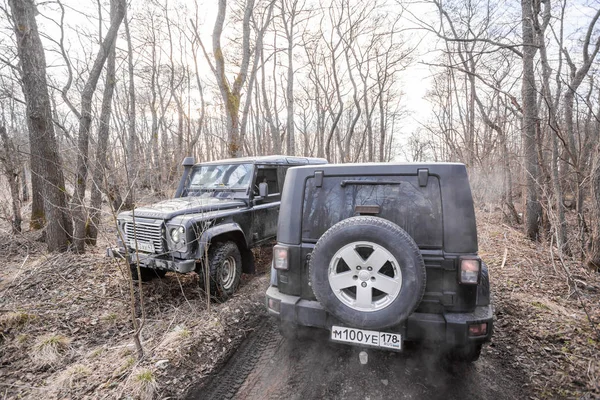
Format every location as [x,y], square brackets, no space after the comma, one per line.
[147,247]
[367,338]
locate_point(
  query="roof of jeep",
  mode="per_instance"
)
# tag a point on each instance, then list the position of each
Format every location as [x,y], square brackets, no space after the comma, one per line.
[386,167]
[275,159]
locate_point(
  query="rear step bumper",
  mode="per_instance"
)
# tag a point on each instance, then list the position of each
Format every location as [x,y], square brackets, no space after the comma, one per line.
[448,328]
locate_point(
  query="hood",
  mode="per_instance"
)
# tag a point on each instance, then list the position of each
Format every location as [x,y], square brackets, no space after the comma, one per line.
[168,209]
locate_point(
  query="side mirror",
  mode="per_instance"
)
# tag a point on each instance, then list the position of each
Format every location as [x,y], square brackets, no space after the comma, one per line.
[263,189]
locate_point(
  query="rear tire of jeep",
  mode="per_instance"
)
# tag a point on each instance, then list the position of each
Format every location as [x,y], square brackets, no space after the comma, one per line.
[147,273]
[368,272]
[225,263]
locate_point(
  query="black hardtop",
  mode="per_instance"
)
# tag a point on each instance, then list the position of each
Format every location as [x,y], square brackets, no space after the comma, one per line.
[274,159]
[377,168]
[458,214]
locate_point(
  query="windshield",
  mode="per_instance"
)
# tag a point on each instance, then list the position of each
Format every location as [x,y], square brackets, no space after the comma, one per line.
[219,177]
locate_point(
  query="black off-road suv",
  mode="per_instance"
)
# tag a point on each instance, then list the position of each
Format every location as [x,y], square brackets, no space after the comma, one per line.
[221,209]
[379,254]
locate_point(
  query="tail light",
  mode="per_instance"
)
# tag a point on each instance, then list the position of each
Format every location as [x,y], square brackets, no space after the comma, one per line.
[274,305]
[280,257]
[478,329]
[469,270]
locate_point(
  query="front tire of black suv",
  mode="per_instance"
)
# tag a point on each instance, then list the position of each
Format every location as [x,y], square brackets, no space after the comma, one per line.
[368,272]
[147,274]
[225,262]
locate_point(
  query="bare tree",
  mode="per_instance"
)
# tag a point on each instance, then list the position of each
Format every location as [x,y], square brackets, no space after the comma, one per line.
[291,11]
[99,183]
[85,121]
[45,160]
[131,159]
[231,93]
[594,255]
[579,154]
[12,167]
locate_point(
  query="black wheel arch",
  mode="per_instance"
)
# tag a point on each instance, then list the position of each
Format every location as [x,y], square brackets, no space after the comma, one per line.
[224,233]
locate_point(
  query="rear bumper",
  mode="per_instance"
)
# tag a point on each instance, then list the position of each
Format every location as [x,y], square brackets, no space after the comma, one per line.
[448,328]
[154,261]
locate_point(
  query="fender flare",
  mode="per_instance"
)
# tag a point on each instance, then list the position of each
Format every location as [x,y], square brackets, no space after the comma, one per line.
[230,228]
[483,289]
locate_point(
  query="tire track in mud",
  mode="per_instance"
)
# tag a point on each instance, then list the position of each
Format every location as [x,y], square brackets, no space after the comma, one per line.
[227,381]
[267,366]
[290,370]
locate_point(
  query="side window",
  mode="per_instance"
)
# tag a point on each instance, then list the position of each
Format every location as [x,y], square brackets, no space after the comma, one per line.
[268,175]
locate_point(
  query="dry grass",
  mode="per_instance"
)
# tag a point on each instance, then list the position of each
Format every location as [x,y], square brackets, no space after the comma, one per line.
[124,366]
[174,339]
[540,311]
[49,350]
[14,319]
[70,376]
[68,334]
[143,384]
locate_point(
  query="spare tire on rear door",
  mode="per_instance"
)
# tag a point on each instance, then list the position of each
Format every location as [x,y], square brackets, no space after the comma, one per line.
[367,272]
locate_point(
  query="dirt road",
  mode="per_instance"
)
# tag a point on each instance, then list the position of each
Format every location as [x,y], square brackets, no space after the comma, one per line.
[267,366]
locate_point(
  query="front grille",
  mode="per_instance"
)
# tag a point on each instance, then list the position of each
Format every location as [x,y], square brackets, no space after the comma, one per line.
[144,233]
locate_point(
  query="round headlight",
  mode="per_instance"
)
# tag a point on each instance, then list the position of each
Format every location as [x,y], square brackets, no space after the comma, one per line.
[177,234]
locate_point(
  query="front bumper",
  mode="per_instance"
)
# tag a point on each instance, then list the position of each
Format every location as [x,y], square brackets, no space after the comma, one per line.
[153,261]
[448,328]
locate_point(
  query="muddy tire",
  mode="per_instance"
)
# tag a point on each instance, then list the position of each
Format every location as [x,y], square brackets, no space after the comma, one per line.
[465,354]
[368,272]
[147,273]
[225,265]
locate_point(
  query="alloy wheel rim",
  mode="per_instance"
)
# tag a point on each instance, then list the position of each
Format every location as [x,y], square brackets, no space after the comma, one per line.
[365,276]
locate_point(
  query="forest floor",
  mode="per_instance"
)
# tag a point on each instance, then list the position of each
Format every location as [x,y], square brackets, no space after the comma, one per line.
[66,331]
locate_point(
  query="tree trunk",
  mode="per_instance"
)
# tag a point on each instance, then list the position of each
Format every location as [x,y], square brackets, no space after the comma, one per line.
[289,25]
[24,184]
[154,183]
[350,133]
[382,130]
[45,161]
[98,174]
[273,127]
[594,255]
[529,93]
[10,161]
[560,223]
[130,159]
[85,121]
[232,95]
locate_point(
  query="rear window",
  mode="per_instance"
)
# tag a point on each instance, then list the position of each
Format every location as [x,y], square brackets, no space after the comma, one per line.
[416,209]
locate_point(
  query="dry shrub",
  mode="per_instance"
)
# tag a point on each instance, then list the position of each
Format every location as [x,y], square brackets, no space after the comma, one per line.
[174,338]
[143,384]
[68,378]
[124,366]
[50,349]
[14,320]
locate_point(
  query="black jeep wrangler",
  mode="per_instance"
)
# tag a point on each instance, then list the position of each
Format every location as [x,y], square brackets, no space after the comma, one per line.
[221,209]
[380,254]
